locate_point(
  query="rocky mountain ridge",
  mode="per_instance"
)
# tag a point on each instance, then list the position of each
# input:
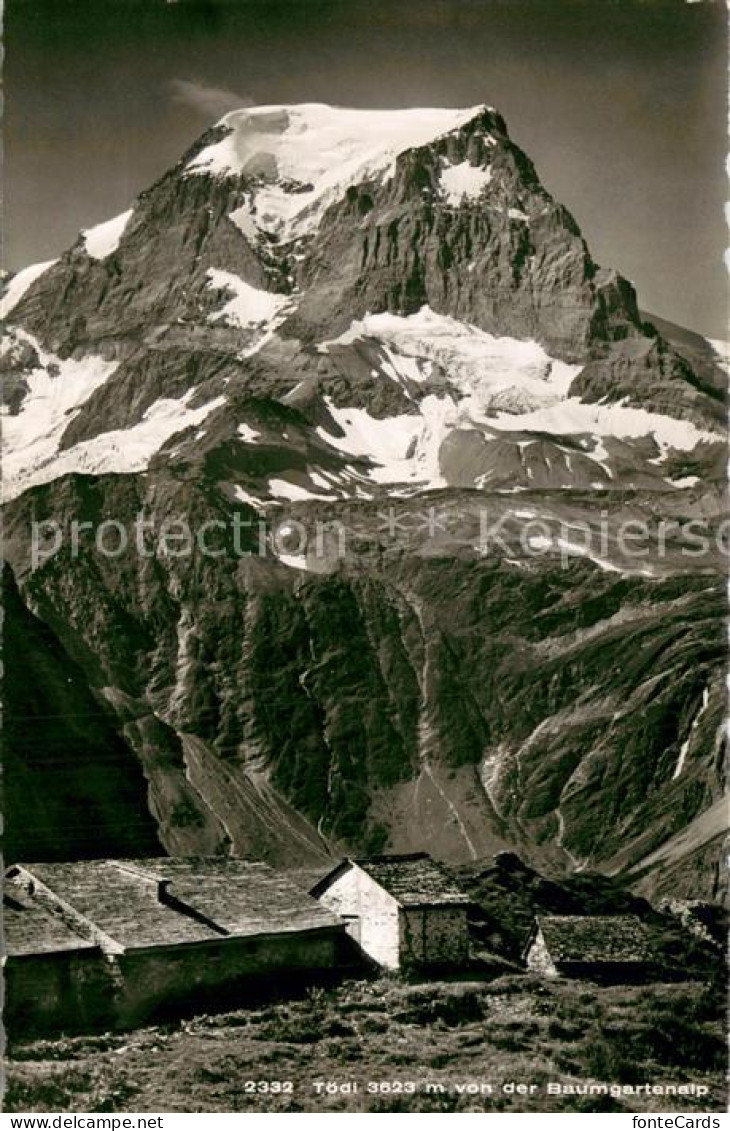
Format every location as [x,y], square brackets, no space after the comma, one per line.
[189,299]
[368,319]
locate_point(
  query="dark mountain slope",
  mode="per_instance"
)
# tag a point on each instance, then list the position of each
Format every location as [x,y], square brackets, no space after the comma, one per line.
[405,697]
[412,688]
[72,788]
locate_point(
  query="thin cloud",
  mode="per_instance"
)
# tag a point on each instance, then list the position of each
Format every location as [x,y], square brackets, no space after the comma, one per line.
[210,101]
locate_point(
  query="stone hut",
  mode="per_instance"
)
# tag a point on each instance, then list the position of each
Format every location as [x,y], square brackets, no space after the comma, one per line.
[114,942]
[606,947]
[51,972]
[400,910]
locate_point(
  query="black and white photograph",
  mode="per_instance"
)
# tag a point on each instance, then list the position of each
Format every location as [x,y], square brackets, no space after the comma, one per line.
[364,462]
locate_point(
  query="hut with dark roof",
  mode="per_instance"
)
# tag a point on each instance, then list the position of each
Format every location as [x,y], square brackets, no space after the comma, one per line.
[113,942]
[51,972]
[605,947]
[400,910]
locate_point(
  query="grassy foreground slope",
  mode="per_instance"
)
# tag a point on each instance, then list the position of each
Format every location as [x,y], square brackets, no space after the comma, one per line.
[419,1044]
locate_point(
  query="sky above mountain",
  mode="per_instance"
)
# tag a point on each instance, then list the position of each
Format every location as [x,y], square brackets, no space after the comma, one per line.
[620,103]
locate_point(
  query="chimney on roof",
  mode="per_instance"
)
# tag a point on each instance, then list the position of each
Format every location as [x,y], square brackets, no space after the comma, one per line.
[148,876]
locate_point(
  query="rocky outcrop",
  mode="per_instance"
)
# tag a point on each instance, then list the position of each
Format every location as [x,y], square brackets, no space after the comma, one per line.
[510,260]
[402,699]
[155,277]
[411,690]
[647,372]
[513,263]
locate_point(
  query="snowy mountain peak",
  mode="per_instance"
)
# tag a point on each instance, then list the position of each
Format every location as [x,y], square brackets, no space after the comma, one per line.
[442,325]
[304,157]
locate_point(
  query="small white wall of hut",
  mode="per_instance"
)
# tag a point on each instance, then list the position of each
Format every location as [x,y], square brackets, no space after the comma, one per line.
[538,957]
[372,914]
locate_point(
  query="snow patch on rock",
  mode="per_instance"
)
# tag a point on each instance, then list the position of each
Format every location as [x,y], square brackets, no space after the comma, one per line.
[245,221]
[463,181]
[294,492]
[685,481]
[249,306]
[57,389]
[504,388]
[243,496]
[20,283]
[478,365]
[571,416]
[400,449]
[294,561]
[722,353]
[684,749]
[121,451]
[102,240]
[306,156]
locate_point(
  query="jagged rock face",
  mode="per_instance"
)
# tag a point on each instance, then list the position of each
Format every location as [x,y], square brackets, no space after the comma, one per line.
[393,246]
[488,246]
[154,276]
[400,699]
[517,266]
[301,313]
[646,370]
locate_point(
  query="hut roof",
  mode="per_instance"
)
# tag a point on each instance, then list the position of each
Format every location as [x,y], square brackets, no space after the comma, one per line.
[241,896]
[413,880]
[164,902]
[595,938]
[28,929]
